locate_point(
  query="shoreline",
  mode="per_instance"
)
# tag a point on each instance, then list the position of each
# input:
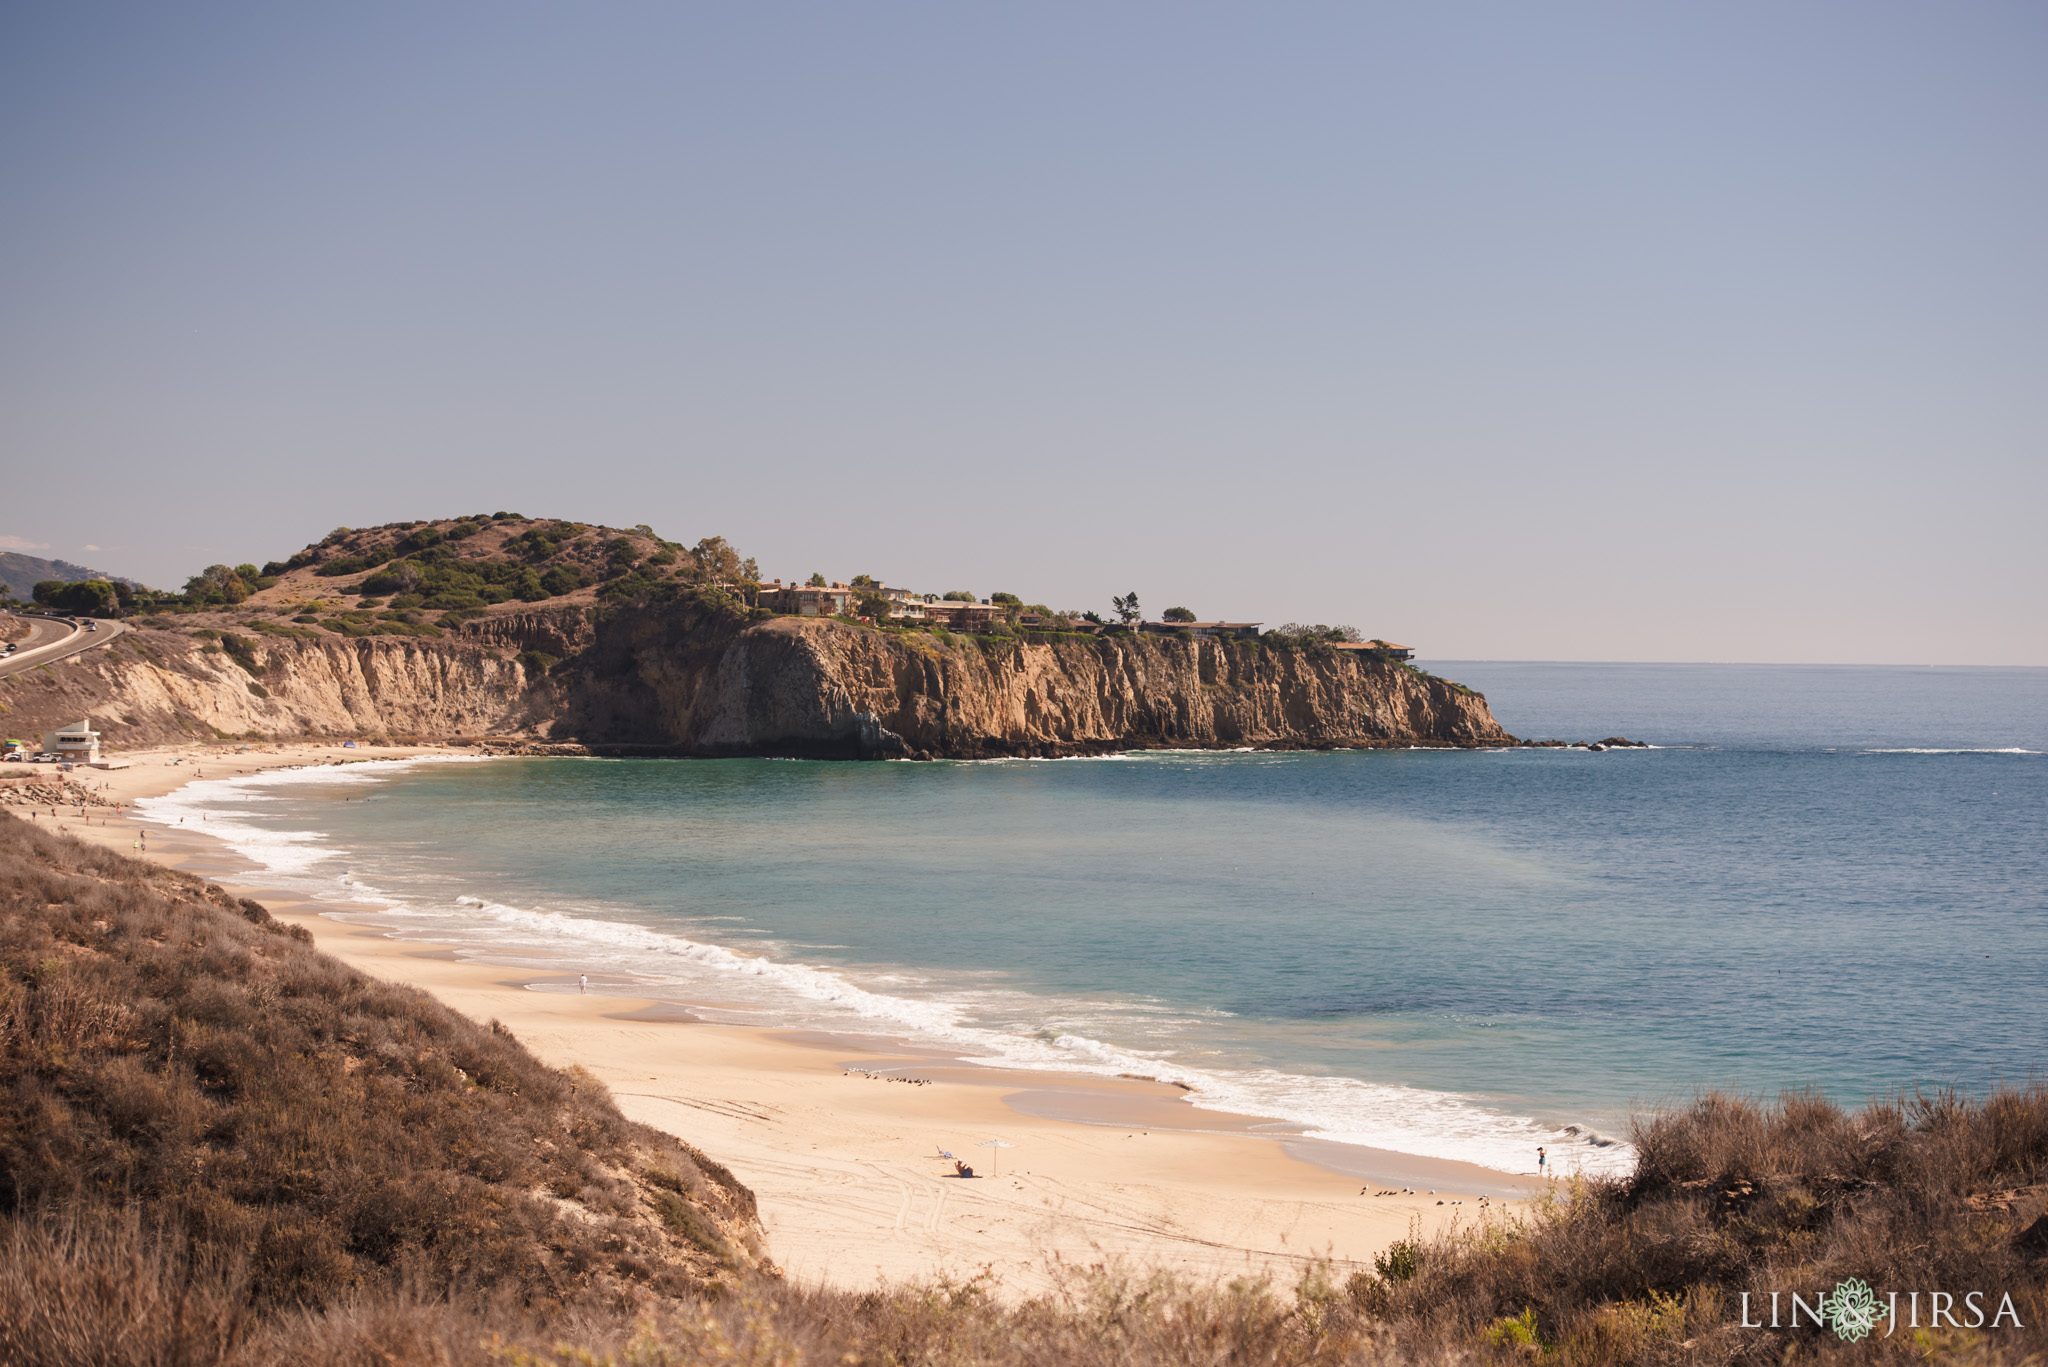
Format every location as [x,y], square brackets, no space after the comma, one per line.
[843,1151]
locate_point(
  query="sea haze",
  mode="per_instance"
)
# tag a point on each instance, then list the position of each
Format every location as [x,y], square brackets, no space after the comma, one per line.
[1831,878]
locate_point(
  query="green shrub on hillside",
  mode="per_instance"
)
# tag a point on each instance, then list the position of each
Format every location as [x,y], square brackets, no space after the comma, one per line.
[563,579]
[242,651]
[351,564]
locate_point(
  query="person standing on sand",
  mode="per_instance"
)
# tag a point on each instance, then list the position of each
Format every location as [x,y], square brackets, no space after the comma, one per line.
[1542,1162]
[582,982]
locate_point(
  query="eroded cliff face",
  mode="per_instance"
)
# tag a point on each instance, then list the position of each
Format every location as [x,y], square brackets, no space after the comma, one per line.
[808,687]
[155,687]
[682,678]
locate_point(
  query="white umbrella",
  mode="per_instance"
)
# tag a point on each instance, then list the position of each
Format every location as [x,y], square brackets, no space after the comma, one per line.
[994,1159]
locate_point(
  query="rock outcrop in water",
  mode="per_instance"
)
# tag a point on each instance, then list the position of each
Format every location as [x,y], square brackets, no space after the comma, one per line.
[684,677]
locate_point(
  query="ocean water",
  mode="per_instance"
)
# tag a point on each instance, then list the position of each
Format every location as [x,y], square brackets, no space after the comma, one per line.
[1830,878]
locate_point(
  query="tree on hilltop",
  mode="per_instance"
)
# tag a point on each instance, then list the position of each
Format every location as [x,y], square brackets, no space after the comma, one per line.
[714,560]
[1177,615]
[217,584]
[1126,607]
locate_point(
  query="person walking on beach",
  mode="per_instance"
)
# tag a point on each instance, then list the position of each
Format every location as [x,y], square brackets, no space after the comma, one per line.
[582,982]
[1542,1162]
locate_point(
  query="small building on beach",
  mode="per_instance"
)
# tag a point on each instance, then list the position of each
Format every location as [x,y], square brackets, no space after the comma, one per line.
[78,742]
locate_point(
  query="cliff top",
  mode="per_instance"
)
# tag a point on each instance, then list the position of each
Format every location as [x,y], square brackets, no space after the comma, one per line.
[417,578]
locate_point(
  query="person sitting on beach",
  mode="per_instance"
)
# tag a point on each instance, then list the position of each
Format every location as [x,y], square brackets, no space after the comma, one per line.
[960,1169]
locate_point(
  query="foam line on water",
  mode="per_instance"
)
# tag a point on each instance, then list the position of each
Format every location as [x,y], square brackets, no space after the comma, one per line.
[1405,1119]
[1958,750]
[210,806]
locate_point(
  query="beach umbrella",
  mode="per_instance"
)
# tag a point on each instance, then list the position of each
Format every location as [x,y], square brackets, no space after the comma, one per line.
[994,1159]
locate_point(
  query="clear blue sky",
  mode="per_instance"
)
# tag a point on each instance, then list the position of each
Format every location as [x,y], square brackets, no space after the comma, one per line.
[1569,331]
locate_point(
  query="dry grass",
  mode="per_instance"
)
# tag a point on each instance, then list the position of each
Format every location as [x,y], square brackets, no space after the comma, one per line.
[1733,1196]
[220,1147]
[176,1057]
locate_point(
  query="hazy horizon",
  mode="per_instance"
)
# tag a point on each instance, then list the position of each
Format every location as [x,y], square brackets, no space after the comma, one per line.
[1587,334]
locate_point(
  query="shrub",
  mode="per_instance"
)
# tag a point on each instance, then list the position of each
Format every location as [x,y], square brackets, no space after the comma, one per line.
[242,651]
[1399,1261]
[351,564]
[397,577]
[536,662]
[1518,1332]
[563,579]
[87,598]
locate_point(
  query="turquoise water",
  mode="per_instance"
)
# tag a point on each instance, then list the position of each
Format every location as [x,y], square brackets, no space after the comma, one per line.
[1835,878]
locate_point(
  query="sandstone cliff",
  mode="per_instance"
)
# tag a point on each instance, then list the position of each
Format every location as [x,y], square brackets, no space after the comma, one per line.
[157,687]
[811,687]
[684,678]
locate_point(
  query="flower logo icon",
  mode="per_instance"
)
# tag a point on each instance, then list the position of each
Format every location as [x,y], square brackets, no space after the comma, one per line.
[1852,1310]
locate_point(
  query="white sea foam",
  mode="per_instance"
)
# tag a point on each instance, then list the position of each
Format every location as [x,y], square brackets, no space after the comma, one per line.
[1958,750]
[759,987]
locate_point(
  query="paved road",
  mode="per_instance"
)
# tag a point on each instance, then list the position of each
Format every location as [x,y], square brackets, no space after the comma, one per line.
[53,639]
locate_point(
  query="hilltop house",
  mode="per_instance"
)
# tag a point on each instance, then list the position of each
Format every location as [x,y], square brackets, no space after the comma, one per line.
[958,616]
[805,600]
[1240,630]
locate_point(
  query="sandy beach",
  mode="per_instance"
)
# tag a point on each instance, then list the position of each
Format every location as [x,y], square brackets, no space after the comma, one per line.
[841,1136]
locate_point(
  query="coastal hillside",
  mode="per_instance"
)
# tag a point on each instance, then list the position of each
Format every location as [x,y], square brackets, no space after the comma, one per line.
[189,1091]
[551,632]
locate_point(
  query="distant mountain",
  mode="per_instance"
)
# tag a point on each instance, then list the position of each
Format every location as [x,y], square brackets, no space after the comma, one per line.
[19,574]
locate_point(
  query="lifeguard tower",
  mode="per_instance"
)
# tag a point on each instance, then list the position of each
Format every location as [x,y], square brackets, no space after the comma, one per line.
[77,743]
